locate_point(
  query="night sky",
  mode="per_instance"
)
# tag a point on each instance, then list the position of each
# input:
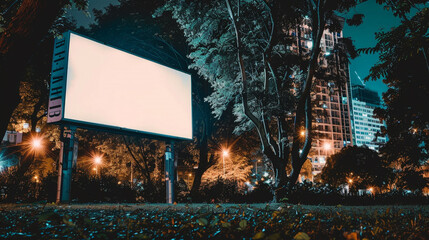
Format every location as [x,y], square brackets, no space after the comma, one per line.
[376,19]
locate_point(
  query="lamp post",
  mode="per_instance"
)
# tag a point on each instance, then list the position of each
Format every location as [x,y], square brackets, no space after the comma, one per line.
[225,153]
[350,185]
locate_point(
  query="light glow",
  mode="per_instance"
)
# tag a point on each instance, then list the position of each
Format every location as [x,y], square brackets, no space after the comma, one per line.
[327,146]
[225,153]
[36,143]
[97,159]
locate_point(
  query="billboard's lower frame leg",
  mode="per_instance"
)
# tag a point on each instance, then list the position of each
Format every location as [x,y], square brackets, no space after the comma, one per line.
[65,165]
[169,172]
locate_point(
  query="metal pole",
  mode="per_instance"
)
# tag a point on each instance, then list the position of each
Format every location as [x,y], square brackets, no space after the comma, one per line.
[60,164]
[131,175]
[169,172]
[256,169]
[66,165]
[223,160]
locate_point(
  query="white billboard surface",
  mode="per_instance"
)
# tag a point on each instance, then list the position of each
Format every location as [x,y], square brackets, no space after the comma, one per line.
[109,87]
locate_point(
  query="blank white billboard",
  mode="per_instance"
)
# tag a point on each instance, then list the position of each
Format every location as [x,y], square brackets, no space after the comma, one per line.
[108,87]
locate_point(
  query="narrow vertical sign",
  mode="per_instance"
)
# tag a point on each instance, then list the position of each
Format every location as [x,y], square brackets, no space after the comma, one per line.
[58,79]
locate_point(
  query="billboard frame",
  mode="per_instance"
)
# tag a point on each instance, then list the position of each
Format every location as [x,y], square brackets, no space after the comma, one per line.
[60,63]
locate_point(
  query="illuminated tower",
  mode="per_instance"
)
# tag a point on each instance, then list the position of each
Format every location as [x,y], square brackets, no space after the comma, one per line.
[332,127]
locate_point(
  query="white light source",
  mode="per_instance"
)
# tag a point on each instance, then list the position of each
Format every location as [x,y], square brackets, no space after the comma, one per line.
[327,146]
[97,159]
[36,143]
[225,153]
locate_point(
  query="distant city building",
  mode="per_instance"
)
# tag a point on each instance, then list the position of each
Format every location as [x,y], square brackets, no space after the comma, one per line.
[365,125]
[332,128]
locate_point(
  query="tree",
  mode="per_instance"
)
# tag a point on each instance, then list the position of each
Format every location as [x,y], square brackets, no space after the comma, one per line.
[360,167]
[34,86]
[404,41]
[20,34]
[403,66]
[307,170]
[125,154]
[243,49]
[237,168]
[131,27]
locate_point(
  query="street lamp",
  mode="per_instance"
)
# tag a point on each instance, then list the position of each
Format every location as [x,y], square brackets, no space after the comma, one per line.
[302,133]
[225,153]
[97,161]
[36,143]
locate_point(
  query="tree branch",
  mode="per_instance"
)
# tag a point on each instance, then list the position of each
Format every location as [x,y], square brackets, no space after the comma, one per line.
[247,111]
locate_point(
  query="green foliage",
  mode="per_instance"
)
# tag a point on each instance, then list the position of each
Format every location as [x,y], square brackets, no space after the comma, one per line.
[405,41]
[404,67]
[356,20]
[361,165]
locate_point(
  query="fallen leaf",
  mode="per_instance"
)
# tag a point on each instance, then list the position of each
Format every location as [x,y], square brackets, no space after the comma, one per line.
[301,236]
[259,235]
[243,224]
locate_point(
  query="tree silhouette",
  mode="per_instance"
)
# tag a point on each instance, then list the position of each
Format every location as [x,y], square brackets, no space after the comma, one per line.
[242,49]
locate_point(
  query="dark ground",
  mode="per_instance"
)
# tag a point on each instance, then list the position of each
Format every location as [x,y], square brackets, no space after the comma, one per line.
[203,221]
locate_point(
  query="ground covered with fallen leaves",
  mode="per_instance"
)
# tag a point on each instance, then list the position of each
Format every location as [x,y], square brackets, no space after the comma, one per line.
[211,221]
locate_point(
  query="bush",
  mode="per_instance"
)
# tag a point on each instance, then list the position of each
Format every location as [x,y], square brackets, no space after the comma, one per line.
[221,191]
[318,194]
[87,188]
[18,189]
[261,194]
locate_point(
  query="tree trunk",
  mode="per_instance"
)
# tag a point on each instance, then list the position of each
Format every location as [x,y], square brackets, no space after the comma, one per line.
[27,28]
[294,174]
[196,184]
[34,118]
[203,165]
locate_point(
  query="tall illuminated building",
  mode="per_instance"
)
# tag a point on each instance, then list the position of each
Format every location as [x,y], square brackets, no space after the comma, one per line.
[332,127]
[365,125]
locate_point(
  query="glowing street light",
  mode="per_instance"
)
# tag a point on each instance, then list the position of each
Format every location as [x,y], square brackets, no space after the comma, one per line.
[302,133]
[97,160]
[36,143]
[350,181]
[225,153]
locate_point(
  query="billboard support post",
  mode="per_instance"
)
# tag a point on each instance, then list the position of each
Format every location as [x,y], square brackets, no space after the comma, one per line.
[169,172]
[66,164]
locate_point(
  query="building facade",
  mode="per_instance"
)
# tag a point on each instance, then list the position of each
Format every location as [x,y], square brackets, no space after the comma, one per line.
[332,128]
[365,125]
